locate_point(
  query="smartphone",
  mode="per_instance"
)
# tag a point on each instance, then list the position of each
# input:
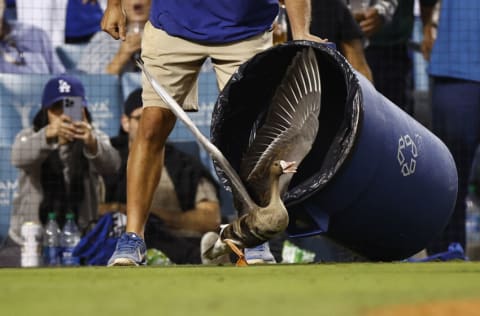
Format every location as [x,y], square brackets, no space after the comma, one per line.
[73,107]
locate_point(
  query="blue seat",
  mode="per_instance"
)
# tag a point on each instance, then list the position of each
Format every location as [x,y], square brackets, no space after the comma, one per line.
[8,186]
[130,81]
[69,54]
[20,99]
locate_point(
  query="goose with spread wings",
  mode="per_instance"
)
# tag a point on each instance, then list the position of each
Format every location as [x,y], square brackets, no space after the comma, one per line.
[279,145]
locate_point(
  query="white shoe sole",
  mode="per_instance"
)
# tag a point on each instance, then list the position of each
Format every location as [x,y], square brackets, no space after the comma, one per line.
[123,262]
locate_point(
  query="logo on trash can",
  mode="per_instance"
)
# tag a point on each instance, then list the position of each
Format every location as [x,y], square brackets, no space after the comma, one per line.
[406,154]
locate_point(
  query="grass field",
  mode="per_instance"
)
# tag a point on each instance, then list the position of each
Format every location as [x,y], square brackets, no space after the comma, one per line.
[316,289]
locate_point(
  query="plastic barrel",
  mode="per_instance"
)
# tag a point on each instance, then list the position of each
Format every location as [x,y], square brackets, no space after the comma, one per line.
[376,180]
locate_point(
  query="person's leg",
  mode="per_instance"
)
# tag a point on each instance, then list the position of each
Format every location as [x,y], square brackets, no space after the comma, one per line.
[456,121]
[145,164]
[177,72]
[144,167]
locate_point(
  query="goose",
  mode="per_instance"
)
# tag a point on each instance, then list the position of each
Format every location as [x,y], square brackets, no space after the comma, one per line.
[271,159]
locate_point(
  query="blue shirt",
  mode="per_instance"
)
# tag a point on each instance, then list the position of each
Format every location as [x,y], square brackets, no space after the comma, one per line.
[213,21]
[82,19]
[456,52]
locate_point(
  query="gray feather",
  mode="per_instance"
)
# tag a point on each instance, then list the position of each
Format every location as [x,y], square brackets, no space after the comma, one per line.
[290,127]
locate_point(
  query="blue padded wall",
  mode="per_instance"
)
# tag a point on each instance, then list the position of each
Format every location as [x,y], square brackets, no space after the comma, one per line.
[8,186]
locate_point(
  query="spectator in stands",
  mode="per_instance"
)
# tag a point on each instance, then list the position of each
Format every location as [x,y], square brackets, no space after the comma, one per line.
[66,21]
[185,203]
[60,162]
[388,52]
[103,55]
[372,15]
[176,41]
[455,72]
[82,20]
[331,19]
[26,49]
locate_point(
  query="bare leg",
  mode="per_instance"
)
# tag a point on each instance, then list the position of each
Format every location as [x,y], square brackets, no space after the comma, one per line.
[145,165]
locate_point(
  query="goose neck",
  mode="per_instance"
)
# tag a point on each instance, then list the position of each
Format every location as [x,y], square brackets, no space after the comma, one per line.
[275,191]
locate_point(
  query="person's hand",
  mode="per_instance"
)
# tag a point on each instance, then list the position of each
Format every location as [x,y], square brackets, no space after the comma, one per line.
[370,21]
[84,132]
[427,42]
[60,129]
[313,38]
[310,37]
[114,22]
[132,44]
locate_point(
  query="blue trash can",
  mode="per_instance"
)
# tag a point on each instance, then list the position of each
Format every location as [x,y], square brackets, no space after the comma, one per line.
[376,180]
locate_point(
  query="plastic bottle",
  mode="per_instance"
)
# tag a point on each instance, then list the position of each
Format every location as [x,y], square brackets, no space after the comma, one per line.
[51,242]
[293,254]
[31,255]
[69,239]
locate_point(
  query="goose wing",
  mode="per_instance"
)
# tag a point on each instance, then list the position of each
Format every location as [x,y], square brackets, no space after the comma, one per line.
[240,193]
[290,127]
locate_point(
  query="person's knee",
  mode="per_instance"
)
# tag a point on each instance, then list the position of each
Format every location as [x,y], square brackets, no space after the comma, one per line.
[156,124]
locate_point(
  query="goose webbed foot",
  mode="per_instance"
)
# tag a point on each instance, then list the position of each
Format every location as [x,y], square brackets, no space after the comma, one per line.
[241,261]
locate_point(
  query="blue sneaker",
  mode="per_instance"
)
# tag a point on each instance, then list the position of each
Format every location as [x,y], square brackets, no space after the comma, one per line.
[259,254]
[130,251]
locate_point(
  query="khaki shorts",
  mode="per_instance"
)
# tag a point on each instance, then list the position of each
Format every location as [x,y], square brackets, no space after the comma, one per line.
[176,63]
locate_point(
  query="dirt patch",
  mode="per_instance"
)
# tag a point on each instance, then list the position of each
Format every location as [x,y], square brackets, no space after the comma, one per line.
[470,307]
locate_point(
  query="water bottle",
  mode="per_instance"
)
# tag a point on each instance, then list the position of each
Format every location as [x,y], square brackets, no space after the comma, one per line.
[51,242]
[293,254]
[69,239]
[31,254]
[472,228]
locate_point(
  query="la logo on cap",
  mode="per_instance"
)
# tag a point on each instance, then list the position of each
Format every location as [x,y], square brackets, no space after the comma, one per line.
[63,86]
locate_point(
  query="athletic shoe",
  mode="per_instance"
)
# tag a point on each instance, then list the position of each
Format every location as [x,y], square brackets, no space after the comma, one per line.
[259,254]
[130,251]
[211,242]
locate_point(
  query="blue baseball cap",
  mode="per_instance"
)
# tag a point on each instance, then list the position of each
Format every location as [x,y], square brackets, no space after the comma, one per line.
[60,87]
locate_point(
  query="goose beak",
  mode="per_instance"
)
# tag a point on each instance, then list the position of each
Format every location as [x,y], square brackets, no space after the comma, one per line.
[288,166]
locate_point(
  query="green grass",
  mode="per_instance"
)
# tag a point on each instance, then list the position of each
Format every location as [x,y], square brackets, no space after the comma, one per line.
[317,289]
